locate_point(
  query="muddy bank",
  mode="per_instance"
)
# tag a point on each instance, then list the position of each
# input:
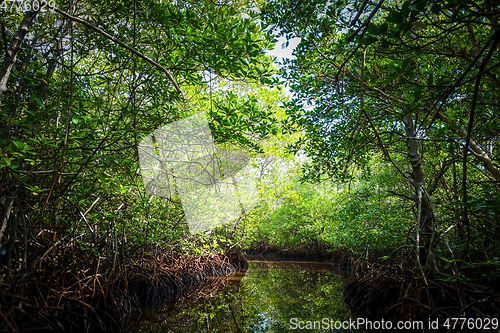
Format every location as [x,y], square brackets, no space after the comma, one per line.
[379,294]
[267,299]
[372,298]
[394,299]
[377,290]
[108,305]
[344,259]
[275,253]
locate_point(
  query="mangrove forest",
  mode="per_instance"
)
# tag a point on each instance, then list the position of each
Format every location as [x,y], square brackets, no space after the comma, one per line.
[250,166]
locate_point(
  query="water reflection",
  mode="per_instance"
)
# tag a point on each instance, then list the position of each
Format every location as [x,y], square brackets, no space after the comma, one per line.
[269,297]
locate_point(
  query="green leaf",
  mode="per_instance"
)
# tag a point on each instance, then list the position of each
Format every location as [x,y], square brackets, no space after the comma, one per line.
[405,63]
[405,106]
[436,9]
[417,96]
[373,29]
[383,28]
[5,161]
[421,4]
[395,17]
[393,67]
[39,102]
[368,40]
[430,80]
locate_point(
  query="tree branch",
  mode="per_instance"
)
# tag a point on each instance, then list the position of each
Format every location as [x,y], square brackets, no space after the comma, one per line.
[122,44]
[366,23]
[469,130]
[13,50]
[444,167]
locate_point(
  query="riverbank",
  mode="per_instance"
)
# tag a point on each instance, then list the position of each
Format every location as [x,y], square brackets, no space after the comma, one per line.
[271,296]
[344,259]
[102,300]
[383,290]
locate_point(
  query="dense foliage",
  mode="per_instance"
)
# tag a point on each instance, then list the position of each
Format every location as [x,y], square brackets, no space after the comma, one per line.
[358,215]
[390,139]
[416,83]
[79,92]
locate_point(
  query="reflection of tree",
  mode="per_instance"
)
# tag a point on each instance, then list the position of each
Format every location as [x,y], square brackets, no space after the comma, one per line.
[264,301]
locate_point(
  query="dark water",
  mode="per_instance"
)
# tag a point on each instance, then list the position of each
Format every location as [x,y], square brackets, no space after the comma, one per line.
[270,297]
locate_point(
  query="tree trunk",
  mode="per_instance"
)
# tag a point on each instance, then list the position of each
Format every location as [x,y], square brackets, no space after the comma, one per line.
[13,50]
[425,229]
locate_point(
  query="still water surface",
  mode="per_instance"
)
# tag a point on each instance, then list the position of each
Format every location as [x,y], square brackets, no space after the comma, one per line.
[270,297]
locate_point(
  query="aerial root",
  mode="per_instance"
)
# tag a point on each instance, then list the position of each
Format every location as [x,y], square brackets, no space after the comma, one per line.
[68,296]
[377,295]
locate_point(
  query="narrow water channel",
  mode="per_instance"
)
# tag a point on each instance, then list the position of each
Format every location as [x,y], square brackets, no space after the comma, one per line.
[271,296]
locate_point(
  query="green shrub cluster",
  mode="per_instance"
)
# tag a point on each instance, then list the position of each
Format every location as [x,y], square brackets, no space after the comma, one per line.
[352,215]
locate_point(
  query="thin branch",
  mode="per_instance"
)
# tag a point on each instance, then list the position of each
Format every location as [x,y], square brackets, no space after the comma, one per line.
[6,215]
[360,11]
[362,105]
[402,196]
[366,23]
[469,129]
[122,44]
[464,74]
